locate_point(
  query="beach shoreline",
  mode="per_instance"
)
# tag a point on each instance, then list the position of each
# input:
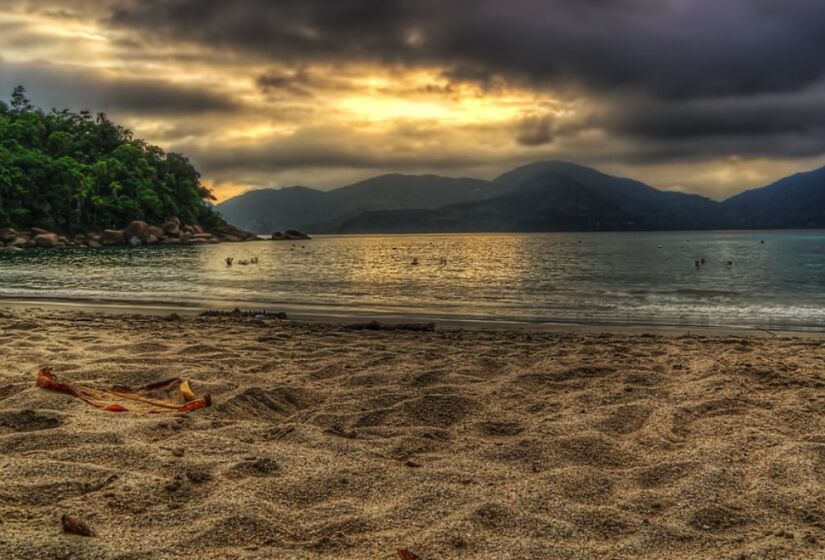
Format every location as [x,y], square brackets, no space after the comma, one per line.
[341,315]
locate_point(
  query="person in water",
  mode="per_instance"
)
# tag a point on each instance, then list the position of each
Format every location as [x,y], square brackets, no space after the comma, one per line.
[229,261]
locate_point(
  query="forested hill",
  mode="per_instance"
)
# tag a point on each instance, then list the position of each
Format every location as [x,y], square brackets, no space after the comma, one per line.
[73,172]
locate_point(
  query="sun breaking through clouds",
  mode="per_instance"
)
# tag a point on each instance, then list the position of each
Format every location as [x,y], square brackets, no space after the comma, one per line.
[694,95]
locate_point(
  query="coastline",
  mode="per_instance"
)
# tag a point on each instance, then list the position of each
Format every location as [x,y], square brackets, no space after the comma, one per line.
[339,315]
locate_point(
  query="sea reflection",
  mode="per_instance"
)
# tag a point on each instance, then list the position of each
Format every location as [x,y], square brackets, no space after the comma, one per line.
[629,277]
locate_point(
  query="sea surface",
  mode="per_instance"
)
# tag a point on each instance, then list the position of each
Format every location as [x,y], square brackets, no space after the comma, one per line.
[749,279]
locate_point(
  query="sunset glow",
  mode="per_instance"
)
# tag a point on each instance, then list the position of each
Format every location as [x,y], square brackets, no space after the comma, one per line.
[459,112]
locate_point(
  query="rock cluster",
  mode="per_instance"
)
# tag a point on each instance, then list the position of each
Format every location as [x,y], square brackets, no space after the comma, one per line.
[135,234]
[289,234]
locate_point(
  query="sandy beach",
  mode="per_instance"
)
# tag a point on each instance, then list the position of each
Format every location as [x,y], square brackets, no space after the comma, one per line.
[329,442]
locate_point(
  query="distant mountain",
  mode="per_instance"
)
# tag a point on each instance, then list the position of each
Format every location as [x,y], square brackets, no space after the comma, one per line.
[797,201]
[553,196]
[541,196]
[268,210]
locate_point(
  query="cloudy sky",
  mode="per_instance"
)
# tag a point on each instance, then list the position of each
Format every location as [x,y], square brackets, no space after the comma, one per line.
[706,96]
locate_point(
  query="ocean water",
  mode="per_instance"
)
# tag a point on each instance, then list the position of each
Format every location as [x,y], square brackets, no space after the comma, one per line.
[777,279]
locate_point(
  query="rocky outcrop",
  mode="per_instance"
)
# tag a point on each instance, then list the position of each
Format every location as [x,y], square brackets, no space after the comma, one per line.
[172,228]
[46,240]
[288,235]
[232,234]
[157,233]
[135,234]
[137,230]
[19,242]
[112,237]
[7,234]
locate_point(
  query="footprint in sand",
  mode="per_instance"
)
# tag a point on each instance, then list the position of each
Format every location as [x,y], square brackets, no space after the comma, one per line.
[625,420]
[29,420]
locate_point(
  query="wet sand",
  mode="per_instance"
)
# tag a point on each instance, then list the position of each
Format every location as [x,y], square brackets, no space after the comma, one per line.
[328,442]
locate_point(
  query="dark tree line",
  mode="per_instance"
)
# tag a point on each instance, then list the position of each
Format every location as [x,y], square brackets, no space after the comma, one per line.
[71,172]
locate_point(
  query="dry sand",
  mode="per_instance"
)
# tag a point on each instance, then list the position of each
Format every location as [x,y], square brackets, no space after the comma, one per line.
[529,445]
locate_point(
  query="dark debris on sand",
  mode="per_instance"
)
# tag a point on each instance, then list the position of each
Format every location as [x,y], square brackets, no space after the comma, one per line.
[376,326]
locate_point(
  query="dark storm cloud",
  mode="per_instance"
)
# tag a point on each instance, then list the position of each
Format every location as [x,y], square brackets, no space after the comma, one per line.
[294,83]
[53,86]
[731,116]
[771,125]
[310,152]
[534,131]
[669,48]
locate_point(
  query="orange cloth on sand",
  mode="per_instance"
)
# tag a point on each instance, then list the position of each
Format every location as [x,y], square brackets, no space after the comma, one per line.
[172,395]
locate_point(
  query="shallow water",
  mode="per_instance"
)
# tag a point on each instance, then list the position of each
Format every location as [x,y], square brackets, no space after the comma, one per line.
[633,278]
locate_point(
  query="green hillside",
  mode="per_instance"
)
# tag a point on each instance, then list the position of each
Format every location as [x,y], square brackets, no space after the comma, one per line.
[72,172]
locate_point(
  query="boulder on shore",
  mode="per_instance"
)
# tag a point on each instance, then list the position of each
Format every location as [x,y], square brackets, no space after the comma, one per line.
[20,241]
[7,235]
[289,235]
[46,240]
[228,232]
[138,229]
[136,233]
[172,228]
[112,237]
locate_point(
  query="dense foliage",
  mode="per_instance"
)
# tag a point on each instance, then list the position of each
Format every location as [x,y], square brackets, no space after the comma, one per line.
[73,172]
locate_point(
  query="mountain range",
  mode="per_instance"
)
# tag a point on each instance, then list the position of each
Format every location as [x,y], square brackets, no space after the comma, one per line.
[541,196]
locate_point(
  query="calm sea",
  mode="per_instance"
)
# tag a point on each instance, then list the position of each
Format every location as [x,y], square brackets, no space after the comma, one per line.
[776,279]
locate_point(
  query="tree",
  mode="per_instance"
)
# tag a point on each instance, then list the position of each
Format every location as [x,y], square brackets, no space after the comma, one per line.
[19,101]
